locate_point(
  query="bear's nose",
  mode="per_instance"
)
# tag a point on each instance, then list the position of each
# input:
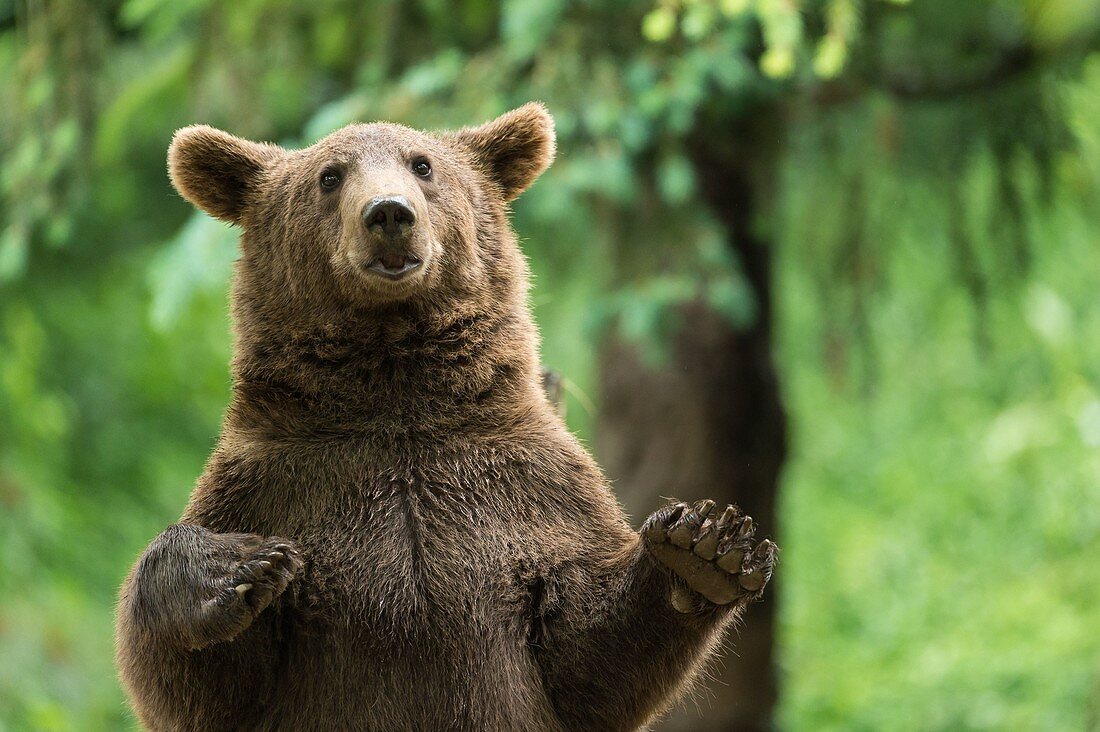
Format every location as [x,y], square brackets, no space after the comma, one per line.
[390,215]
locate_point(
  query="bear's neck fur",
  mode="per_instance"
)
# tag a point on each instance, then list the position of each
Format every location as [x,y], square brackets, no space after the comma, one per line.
[412,369]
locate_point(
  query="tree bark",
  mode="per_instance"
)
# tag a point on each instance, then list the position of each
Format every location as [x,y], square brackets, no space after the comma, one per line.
[710,422]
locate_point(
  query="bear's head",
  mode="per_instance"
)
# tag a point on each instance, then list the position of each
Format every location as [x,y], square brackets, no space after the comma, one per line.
[374,216]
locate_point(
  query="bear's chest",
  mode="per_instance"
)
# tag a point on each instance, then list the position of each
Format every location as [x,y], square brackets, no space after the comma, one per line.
[411,557]
[409,589]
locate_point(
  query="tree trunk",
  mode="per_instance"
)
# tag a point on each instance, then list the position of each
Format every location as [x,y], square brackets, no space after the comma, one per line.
[710,423]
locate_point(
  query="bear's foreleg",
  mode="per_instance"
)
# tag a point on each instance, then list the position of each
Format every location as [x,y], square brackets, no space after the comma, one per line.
[192,587]
[620,637]
[189,639]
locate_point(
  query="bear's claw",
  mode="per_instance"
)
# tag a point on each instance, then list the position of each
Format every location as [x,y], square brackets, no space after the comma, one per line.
[715,556]
[266,574]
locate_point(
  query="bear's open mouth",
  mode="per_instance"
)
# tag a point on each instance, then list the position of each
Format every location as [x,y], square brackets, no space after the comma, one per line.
[394,266]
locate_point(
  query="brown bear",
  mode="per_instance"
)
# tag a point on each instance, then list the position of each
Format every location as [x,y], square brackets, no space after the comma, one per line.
[396,531]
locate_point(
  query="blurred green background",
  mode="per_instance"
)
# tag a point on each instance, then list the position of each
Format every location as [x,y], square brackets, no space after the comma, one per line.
[884,214]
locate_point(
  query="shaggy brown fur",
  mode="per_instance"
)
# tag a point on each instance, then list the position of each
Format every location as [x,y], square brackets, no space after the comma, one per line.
[396,531]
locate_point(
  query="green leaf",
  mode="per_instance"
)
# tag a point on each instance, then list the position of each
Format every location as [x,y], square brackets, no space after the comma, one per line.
[659,24]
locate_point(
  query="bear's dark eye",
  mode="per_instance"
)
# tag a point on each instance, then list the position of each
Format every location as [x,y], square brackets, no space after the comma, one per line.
[422,167]
[330,179]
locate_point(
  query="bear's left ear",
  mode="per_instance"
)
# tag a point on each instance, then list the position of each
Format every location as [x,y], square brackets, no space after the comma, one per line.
[514,148]
[217,172]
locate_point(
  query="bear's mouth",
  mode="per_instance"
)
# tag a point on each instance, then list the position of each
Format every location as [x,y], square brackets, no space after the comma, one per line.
[394,266]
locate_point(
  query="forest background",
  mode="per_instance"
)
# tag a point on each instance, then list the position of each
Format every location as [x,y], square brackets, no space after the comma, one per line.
[835,260]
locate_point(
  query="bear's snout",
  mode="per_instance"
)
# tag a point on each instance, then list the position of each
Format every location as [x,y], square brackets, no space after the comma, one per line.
[389,216]
[392,239]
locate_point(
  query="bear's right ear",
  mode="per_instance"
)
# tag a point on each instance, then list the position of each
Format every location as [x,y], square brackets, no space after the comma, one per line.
[216,171]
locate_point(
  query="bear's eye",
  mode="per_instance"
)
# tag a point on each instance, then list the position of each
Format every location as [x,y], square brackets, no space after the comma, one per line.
[330,179]
[422,167]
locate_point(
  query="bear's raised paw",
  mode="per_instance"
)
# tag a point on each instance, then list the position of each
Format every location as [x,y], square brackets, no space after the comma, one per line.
[713,554]
[249,589]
